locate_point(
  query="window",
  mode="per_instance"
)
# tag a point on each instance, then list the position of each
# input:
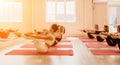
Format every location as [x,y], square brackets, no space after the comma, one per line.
[112,18]
[60,11]
[112,13]
[11,11]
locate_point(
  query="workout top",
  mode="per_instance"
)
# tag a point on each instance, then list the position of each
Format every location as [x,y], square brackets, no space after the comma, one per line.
[59,38]
[55,39]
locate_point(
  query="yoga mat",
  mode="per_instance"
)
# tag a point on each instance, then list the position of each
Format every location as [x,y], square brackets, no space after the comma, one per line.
[65,40]
[35,52]
[3,40]
[56,46]
[88,40]
[100,46]
[6,39]
[106,52]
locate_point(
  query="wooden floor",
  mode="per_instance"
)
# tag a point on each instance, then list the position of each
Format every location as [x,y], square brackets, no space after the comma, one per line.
[81,55]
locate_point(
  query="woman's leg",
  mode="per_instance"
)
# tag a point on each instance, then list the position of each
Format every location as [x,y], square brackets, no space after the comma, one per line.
[99,38]
[111,41]
[40,45]
[118,41]
[90,36]
[119,45]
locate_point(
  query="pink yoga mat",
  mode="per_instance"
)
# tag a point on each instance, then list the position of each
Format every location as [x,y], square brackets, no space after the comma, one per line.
[100,46]
[88,40]
[6,39]
[106,52]
[3,40]
[56,46]
[35,52]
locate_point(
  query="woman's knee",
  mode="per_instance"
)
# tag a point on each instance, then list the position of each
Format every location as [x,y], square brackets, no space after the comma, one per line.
[90,36]
[99,38]
[110,41]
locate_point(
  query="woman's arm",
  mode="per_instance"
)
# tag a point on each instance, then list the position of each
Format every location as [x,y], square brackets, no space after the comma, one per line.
[115,35]
[39,36]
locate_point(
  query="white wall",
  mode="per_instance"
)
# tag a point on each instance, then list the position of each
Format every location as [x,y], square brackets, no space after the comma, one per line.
[88,14]
[100,14]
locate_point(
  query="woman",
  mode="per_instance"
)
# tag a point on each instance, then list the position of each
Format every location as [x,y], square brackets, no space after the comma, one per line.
[95,31]
[114,39]
[92,33]
[51,38]
[103,34]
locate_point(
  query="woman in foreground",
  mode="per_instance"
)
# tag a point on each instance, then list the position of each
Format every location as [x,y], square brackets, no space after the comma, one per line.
[51,38]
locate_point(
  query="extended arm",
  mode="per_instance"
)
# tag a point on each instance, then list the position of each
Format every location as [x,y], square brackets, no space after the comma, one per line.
[39,36]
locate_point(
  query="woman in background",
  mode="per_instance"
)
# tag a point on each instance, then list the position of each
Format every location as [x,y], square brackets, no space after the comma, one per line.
[114,38]
[90,32]
[94,33]
[103,34]
[5,33]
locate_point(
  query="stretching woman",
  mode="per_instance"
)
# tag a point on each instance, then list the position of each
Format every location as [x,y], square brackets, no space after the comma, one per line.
[114,39]
[92,33]
[103,34]
[50,39]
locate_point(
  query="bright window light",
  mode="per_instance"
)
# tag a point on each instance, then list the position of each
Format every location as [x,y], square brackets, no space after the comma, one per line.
[11,12]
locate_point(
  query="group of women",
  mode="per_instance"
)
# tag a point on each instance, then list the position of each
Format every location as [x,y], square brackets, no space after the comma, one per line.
[112,39]
[45,39]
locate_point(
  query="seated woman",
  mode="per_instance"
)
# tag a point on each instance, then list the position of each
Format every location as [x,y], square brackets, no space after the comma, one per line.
[114,38]
[103,34]
[93,33]
[89,32]
[6,33]
[51,38]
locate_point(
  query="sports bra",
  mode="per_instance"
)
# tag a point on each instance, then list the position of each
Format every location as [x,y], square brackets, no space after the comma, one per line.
[58,39]
[54,41]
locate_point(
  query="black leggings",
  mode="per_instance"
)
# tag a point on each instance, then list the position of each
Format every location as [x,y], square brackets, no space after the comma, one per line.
[91,36]
[99,38]
[113,42]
